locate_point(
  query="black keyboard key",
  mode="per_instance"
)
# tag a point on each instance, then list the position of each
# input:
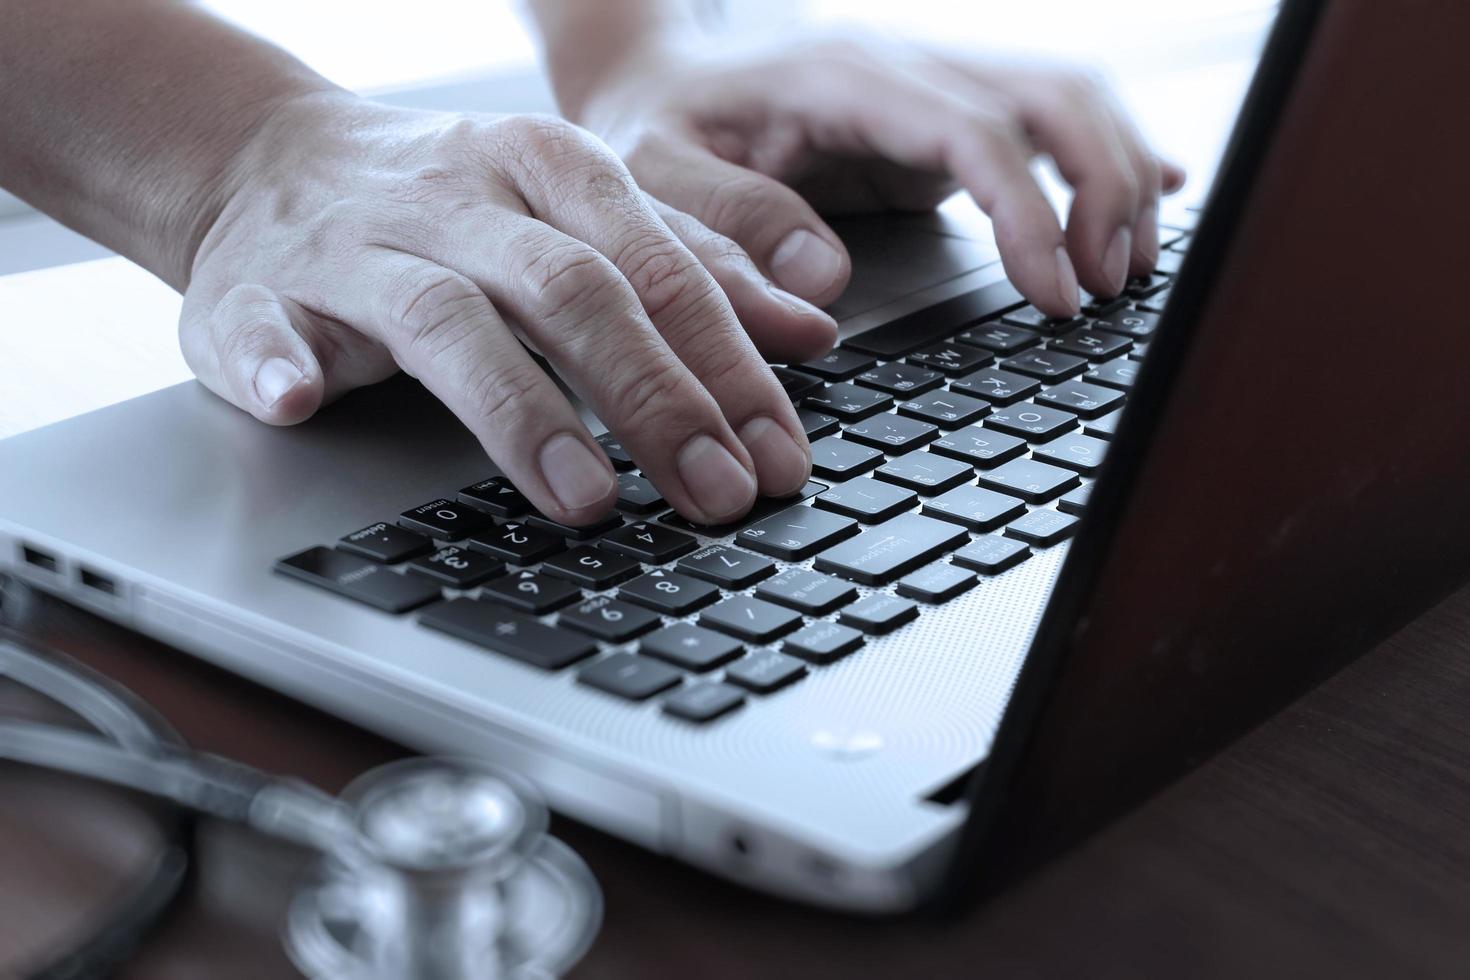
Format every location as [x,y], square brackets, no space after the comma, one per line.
[936,583]
[1042,527]
[867,500]
[445,519]
[1119,374]
[822,643]
[765,671]
[592,568]
[951,358]
[616,454]
[807,592]
[637,495]
[797,533]
[898,378]
[495,496]
[652,543]
[508,632]
[1000,338]
[386,543]
[815,424]
[750,619]
[1105,427]
[834,458]
[976,508]
[796,384]
[670,592]
[879,613]
[891,433]
[980,447]
[1095,345]
[1031,480]
[703,702]
[1138,353]
[912,331]
[996,386]
[691,647]
[762,508]
[630,676]
[946,409]
[925,473]
[456,567]
[883,553]
[359,578]
[1101,306]
[1075,501]
[1075,451]
[839,364]
[1139,287]
[1129,323]
[727,567]
[848,402]
[1081,398]
[992,554]
[584,533]
[609,619]
[1046,365]
[1033,319]
[532,592]
[1028,420]
[517,543]
[1156,302]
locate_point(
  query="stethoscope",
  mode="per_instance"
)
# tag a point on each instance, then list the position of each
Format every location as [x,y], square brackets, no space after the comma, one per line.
[431,869]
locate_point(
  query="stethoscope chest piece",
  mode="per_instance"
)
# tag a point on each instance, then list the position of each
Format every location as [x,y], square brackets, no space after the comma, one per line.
[448,875]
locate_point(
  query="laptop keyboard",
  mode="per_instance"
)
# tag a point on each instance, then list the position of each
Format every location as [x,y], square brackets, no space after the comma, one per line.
[946,445]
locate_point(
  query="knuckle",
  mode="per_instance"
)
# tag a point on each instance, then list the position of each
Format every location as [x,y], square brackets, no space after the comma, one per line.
[735,201]
[655,394]
[432,307]
[570,277]
[667,278]
[505,396]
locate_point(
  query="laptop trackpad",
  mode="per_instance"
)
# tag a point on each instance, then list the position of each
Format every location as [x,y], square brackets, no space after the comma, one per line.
[894,255]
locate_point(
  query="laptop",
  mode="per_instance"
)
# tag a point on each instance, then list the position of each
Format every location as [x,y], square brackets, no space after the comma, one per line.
[1041,569]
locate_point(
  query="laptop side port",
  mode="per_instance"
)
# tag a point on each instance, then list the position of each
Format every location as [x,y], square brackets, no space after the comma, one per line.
[96,581]
[37,558]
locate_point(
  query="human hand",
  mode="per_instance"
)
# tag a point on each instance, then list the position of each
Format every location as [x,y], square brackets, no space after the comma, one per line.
[358,239]
[756,145]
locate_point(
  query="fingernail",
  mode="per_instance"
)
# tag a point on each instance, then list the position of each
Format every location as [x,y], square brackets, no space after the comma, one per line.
[1115,259]
[274,379]
[805,264]
[578,477]
[1067,287]
[721,487]
[781,465]
[795,303]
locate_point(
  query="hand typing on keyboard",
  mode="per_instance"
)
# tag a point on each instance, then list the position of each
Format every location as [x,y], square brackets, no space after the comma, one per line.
[325,241]
[756,143]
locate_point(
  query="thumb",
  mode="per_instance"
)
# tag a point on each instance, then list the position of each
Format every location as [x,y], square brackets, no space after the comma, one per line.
[248,350]
[775,225]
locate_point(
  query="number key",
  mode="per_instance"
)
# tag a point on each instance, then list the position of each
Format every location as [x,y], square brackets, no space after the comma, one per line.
[444,519]
[609,619]
[592,568]
[456,567]
[517,544]
[533,592]
[669,592]
[649,542]
[727,567]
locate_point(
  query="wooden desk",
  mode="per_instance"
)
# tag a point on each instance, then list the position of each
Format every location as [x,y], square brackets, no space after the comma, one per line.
[1332,841]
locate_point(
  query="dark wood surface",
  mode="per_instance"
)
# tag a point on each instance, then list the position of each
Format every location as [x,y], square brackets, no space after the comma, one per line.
[1333,841]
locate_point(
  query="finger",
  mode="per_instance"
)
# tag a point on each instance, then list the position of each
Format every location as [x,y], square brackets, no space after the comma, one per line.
[248,349]
[774,224]
[681,299]
[930,129]
[1174,175]
[784,327]
[443,330]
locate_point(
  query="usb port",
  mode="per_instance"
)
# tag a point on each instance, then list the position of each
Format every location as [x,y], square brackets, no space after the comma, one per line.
[39,558]
[101,583]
